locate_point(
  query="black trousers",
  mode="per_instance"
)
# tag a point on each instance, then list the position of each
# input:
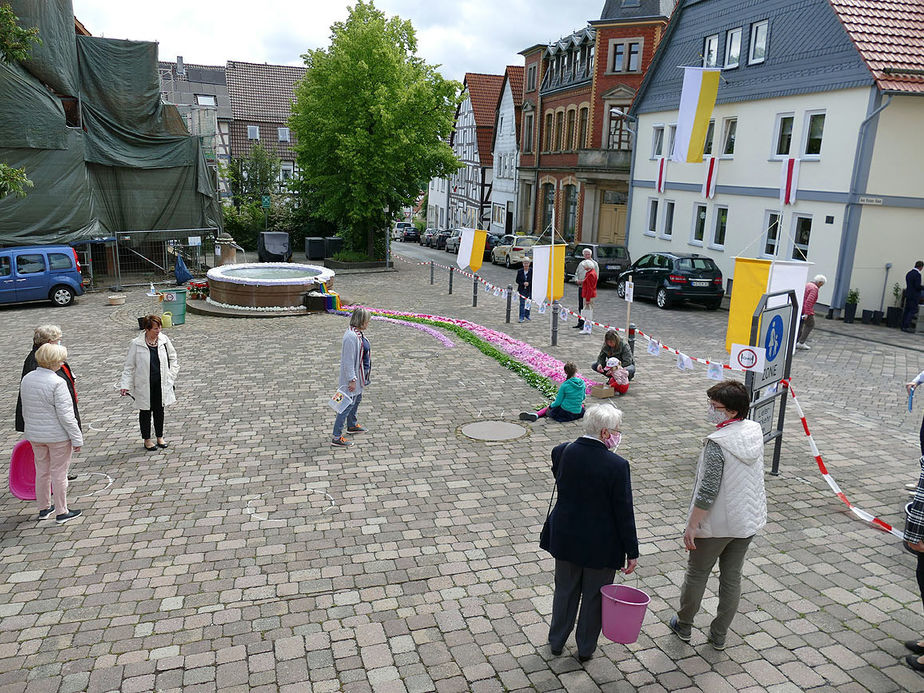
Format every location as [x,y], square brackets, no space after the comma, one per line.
[580,304]
[156,410]
[574,584]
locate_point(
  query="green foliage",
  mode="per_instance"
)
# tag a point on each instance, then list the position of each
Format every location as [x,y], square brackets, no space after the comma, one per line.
[897,293]
[546,387]
[244,223]
[853,296]
[352,256]
[15,44]
[253,176]
[372,121]
[420,225]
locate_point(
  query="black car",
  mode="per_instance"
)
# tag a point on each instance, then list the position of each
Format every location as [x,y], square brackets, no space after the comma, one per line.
[439,240]
[426,238]
[410,234]
[671,278]
[611,258]
[489,242]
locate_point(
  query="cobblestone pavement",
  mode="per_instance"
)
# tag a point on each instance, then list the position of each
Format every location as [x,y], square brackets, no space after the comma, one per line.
[252,556]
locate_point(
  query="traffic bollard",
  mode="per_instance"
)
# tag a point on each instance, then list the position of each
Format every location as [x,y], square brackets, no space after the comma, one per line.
[450,279]
[474,291]
[509,299]
[556,309]
[431,271]
[632,337]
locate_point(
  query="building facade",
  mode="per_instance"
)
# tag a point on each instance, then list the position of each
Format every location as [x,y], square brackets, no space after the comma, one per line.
[506,153]
[850,202]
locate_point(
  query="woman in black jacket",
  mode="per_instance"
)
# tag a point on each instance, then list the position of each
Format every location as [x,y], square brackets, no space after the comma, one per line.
[591,529]
[46,334]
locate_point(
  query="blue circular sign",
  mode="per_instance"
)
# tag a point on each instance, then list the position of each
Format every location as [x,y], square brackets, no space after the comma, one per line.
[774,341]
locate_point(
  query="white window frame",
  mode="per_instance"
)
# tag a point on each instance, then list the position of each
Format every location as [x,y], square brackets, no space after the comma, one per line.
[752,44]
[777,129]
[655,129]
[283,134]
[665,232]
[779,227]
[207,97]
[709,142]
[696,207]
[651,227]
[793,245]
[729,39]
[253,132]
[712,41]
[726,126]
[716,214]
[806,123]
[671,138]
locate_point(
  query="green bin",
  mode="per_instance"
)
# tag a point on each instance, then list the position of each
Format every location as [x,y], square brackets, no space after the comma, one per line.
[174,302]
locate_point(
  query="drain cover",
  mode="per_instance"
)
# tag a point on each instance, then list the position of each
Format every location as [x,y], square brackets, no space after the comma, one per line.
[493,430]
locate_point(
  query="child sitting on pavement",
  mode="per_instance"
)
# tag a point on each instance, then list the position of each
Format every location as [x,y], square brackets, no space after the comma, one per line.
[568,404]
[618,377]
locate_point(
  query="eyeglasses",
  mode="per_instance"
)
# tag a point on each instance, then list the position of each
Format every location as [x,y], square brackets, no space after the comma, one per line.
[716,406]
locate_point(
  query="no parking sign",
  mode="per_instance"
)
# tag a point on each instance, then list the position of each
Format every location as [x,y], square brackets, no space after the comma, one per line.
[747,358]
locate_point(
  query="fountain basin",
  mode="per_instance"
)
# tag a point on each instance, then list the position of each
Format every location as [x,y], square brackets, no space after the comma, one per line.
[266,285]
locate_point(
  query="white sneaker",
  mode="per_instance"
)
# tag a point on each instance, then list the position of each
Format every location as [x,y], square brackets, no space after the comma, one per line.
[800,345]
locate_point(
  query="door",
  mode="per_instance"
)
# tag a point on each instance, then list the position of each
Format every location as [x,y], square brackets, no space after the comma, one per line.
[7,283]
[31,276]
[643,275]
[612,227]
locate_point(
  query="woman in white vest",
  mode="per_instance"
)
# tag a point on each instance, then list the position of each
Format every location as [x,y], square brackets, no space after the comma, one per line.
[729,507]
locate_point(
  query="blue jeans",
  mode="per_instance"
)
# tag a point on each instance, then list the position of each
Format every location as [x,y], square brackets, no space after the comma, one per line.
[524,311]
[348,415]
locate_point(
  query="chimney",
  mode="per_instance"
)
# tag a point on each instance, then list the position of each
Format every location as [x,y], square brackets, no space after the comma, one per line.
[180,67]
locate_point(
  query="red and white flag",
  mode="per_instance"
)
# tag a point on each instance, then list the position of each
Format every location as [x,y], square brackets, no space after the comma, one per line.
[662,171]
[789,181]
[712,168]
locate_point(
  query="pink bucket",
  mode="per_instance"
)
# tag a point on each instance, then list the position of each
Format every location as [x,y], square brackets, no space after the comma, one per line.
[623,612]
[22,471]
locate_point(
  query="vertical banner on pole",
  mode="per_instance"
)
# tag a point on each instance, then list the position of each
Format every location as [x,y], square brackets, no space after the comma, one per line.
[471,249]
[548,273]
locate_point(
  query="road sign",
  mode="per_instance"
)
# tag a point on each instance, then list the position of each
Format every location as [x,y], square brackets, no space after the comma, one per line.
[747,358]
[266,201]
[762,412]
[774,338]
[630,288]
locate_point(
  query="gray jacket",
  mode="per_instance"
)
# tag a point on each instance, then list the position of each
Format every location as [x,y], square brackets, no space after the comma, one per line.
[351,362]
[47,409]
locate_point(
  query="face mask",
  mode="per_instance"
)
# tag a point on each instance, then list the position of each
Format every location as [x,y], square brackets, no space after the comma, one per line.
[613,440]
[715,416]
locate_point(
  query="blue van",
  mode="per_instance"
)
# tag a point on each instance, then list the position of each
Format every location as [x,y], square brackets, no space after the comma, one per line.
[40,273]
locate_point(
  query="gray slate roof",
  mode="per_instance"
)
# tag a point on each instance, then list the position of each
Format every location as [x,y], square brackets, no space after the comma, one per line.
[636,9]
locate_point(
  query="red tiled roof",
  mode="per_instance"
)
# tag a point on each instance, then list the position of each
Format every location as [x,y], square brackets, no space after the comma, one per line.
[261,92]
[484,90]
[514,76]
[890,38]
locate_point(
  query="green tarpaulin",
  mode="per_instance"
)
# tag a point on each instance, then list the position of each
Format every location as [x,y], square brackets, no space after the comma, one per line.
[124,163]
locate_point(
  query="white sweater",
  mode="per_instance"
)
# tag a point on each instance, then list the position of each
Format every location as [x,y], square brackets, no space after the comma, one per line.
[47,409]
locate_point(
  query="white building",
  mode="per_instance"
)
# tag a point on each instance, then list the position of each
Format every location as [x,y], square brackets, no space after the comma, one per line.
[437,203]
[506,153]
[819,82]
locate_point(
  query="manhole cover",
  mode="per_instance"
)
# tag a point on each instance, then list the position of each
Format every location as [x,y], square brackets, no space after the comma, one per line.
[493,430]
[420,354]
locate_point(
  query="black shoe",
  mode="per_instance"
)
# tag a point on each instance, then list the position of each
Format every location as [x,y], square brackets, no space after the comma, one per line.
[913,662]
[910,644]
[684,635]
[61,519]
[163,446]
[46,513]
[71,477]
[528,416]
[585,658]
[151,449]
[579,326]
[555,653]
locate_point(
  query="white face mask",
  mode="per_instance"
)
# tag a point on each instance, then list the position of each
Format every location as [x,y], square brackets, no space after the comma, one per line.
[715,415]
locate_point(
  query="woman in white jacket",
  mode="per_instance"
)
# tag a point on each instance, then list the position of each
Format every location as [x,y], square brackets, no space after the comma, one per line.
[52,429]
[150,370]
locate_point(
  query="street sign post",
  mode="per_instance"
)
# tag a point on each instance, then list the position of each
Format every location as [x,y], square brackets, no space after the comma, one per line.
[773,330]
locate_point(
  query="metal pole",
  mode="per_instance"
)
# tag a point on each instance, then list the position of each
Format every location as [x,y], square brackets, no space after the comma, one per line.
[118,286]
[474,291]
[509,299]
[431,271]
[555,311]
[450,279]
[632,337]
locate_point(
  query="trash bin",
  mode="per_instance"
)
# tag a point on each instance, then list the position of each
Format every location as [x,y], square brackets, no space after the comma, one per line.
[174,302]
[332,245]
[314,248]
[273,246]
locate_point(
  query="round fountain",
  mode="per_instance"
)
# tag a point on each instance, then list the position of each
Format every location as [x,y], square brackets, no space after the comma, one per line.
[264,286]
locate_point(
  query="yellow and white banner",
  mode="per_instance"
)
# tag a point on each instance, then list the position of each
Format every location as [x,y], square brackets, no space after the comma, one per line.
[471,249]
[754,278]
[548,272]
[697,99]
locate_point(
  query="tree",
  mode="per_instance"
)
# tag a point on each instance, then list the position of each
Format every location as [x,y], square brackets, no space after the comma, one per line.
[15,44]
[372,122]
[253,176]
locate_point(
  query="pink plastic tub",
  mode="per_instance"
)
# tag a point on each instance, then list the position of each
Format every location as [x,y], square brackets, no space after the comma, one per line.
[22,471]
[623,612]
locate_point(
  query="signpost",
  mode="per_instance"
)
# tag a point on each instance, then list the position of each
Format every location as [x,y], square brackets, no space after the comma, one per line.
[773,331]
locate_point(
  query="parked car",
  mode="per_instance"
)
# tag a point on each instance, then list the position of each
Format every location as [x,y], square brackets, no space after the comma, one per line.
[439,240]
[612,259]
[490,242]
[397,233]
[426,238]
[410,234]
[510,250]
[40,273]
[671,278]
[452,243]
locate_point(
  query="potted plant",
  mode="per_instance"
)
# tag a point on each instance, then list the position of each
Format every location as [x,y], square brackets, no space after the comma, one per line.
[850,309]
[894,312]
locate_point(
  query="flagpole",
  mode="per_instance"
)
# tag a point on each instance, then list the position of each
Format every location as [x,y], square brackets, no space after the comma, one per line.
[552,303]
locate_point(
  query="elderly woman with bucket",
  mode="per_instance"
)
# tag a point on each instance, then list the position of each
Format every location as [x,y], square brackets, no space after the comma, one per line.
[728,508]
[591,530]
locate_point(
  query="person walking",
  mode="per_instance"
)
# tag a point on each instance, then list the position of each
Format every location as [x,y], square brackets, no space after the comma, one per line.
[591,530]
[524,287]
[589,292]
[912,295]
[728,508]
[913,539]
[910,388]
[808,310]
[149,374]
[353,376]
[580,272]
[52,430]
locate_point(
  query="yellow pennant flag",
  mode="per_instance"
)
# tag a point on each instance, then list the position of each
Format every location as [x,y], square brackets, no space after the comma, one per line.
[471,249]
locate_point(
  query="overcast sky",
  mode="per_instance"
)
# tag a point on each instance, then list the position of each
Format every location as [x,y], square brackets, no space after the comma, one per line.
[461,35]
